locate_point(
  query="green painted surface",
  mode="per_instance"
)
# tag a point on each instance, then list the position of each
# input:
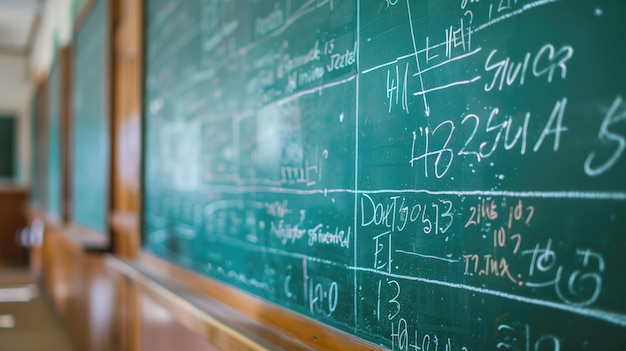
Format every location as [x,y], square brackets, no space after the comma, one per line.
[90,131]
[77,6]
[8,145]
[54,200]
[426,175]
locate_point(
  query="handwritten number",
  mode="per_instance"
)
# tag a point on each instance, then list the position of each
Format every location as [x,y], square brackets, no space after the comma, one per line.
[448,214]
[605,136]
[394,300]
[471,137]
[471,220]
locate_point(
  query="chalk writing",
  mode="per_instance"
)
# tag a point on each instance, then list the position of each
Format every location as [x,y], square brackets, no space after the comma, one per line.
[605,135]
[318,235]
[519,337]
[440,155]
[427,175]
[545,63]
[396,212]
[402,339]
[269,23]
[395,90]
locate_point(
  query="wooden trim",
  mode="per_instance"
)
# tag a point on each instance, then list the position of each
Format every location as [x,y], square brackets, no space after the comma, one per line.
[88,239]
[65,59]
[13,200]
[178,306]
[125,221]
[125,227]
[12,188]
[142,112]
[109,107]
[43,132]
[127,80]
[221,325]
[282,321]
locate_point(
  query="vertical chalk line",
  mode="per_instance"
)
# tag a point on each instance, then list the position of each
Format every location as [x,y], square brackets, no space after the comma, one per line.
[417,60]
[356,155]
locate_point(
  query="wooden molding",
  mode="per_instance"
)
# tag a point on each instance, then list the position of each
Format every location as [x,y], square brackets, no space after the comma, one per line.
[221,325]
[88,239]
[43,133]
[125,230]
[280,322]
[126,221]
[13,188]
[65,61]
[126,126]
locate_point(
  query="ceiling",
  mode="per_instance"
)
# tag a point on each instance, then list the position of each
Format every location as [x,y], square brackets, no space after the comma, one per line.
[18,22]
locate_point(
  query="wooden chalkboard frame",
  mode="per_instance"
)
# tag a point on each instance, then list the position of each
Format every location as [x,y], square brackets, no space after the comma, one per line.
[89,239]
[33,197]
[65,59]
[267,326]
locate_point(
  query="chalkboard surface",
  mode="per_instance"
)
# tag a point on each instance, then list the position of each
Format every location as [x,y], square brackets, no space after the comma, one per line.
[90,141]
[7,147]
[426,175]
[54,201]
[33,196]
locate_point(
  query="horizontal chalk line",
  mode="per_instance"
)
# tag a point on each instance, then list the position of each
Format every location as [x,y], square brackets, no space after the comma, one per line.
[611,317]
[567,194]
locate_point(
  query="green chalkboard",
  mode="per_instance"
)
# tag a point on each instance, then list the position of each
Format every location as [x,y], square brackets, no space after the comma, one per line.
[54,199]
[90,121]
[7,147]
[34,154]
[422,174]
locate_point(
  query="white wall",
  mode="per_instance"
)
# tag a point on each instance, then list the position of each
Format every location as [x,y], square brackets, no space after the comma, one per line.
[14,99]
[56,18]
[19,74]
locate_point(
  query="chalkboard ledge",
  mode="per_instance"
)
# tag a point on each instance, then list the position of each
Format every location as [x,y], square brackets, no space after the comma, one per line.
[88,239]
[124,221]
[209,307]
[222,326]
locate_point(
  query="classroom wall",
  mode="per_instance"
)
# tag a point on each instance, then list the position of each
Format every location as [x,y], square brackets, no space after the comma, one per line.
[55,30]
[19,76]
